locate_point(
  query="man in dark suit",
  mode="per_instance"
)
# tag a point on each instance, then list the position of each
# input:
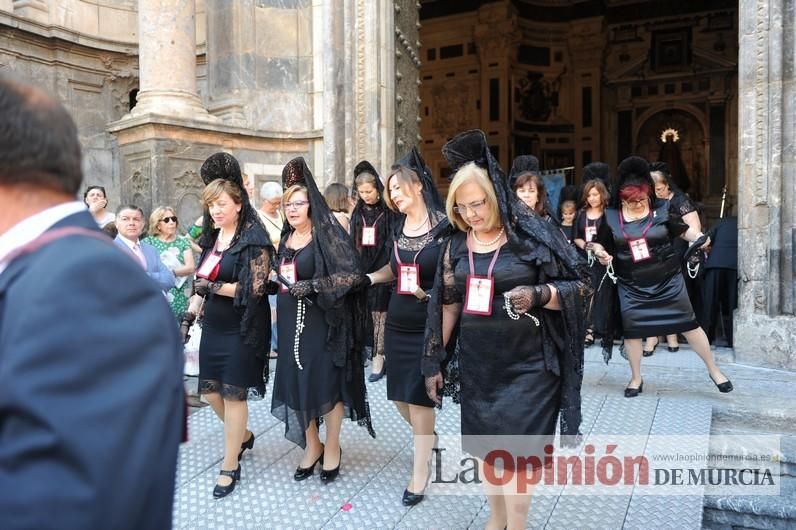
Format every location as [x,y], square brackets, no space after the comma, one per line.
[130,224]
[91,397]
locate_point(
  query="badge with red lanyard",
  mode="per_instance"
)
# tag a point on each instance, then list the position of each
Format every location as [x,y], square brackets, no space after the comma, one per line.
[639,249]
[369,232]
[288,271]
[408,273]
[210,266]
[591,230]
[479,289]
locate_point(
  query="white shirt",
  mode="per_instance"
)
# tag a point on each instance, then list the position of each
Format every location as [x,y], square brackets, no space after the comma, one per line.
[32,227]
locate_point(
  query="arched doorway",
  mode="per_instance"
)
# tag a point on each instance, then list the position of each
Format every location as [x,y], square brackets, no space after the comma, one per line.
[678,138]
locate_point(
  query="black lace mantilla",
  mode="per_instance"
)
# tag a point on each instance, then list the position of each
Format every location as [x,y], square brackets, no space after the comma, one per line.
[538,242]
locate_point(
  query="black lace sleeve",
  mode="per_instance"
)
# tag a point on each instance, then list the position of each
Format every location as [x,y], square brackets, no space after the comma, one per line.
[443,293]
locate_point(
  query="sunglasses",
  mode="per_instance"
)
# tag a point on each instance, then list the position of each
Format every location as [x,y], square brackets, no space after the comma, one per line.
[172,219]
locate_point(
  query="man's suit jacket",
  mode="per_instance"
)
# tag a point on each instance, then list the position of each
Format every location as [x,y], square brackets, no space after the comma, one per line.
[91,392]
[154,267]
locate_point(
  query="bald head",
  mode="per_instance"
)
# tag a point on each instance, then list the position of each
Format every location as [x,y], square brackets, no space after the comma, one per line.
[39,146]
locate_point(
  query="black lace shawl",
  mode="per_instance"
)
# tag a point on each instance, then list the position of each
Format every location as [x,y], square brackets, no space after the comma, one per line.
[372,258]
[338,275]
[254,253]
[539,242]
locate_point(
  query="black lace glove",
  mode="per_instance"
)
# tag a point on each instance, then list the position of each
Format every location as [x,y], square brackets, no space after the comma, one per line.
[188,319]
[203,286]
[434,386]
[525,297]
[302,288]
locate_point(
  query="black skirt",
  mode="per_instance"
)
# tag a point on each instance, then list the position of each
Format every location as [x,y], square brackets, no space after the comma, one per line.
[662,308]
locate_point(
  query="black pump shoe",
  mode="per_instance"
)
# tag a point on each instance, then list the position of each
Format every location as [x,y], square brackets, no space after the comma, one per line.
[378,375]
[633,392]
[223,491]
[649,353]
[303,473]
[248,444]
[410,499]
[724,387]
[674,349]
[329,475]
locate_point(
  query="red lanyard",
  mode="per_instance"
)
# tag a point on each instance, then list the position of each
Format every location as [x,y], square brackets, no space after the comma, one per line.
[365,224]
[470,256]
[643,232]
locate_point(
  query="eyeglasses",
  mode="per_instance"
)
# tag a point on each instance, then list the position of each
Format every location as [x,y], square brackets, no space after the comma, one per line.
[172,219]
[636,203]
[295,205]
[475,206]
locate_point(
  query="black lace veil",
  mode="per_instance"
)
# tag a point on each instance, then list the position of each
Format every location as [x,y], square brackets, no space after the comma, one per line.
[433,200]
[252,244]
[535,241]
[338,273]
[372,257]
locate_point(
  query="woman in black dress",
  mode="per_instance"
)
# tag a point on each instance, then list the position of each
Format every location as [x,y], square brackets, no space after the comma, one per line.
[637,240]
[680,205]
[231,289]
[372,225]
[525,181]
[420,232]
[320,369]
[594,201]
[520,344]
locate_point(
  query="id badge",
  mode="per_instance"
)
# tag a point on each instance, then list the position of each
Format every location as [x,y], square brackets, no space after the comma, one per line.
[591,233]
[209,267]
[639,249]
[288,271]
[368,236]
[478,296]
[408,279]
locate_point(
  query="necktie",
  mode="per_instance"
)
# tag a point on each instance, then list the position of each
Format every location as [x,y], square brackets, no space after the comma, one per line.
[139,254]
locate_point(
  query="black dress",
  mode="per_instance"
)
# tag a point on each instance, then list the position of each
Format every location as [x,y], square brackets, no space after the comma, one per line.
[303,395]
[598,316]
[226,364]
[406,323]
[652,294]
[506,388]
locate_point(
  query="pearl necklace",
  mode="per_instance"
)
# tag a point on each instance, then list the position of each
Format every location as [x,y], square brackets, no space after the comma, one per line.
[412,229]
[300,311]
[489,243]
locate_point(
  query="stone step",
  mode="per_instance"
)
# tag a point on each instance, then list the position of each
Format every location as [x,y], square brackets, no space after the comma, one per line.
[758,512]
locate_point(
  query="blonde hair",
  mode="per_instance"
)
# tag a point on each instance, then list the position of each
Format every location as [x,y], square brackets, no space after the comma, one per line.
[336,196]
[214,190]
[405,176]
[156,216]
[292,190]
[470,172]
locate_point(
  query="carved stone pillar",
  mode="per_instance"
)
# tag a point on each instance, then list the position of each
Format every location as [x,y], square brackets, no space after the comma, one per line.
[167,59]
[765,326]
[496,36]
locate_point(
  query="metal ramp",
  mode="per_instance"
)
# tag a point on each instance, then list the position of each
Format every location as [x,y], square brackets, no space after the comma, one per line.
[374,474]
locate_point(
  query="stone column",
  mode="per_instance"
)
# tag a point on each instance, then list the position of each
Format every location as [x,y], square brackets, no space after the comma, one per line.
[337,89]
[765,326]
[167,59]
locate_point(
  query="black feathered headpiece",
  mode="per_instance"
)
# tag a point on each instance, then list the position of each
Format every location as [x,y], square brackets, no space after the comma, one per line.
[366,167]
[523,164]
[634,170]
[597,171]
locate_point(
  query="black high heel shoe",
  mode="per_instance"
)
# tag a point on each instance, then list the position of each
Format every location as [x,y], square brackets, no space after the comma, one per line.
[223,491]
[409,498]
[673,349]
[303,473]
[724,387]
[328,476]
[649,353]
[589,339]
[378,375]
[633,392]
[248,444]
